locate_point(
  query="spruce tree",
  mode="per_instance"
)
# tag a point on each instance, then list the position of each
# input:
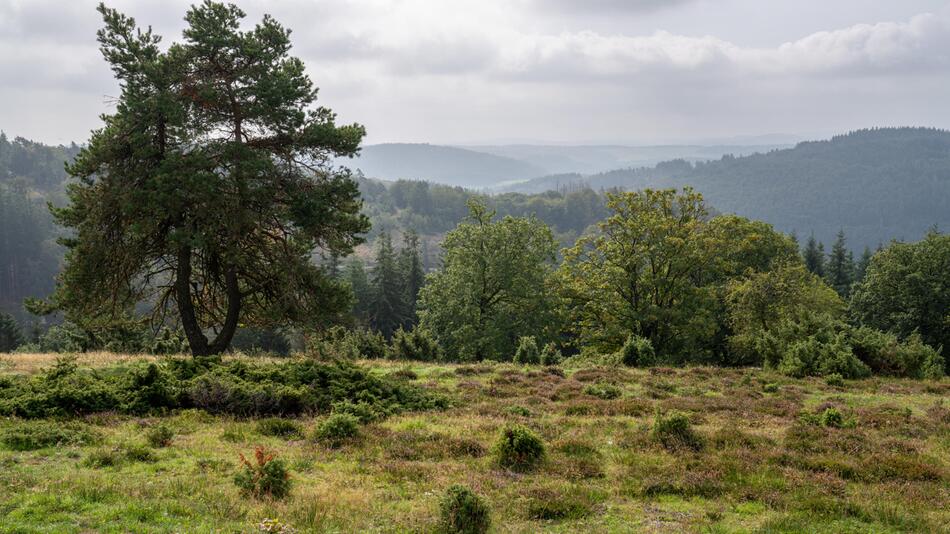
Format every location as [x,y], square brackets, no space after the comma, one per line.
[388,310]
[839,271]
[10,335]
[814,256]
[410,266]
[861,268]
[362,290]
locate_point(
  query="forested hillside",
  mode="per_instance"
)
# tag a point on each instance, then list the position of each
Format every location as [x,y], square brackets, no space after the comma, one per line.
[30,174]
[876,185]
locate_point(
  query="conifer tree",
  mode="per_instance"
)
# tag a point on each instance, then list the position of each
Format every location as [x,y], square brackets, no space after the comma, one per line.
[814,256]
[10,335]
[388,309]
[861,267]
[413,276]
[362,290]
[839,270]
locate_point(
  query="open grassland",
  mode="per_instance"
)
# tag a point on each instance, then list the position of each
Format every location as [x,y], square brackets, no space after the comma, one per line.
[766,460]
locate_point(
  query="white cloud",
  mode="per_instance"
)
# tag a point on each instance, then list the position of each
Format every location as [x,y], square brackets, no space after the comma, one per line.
[470,70]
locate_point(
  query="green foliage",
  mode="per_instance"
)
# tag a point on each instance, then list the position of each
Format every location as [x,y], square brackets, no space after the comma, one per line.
[603,390]
[32,435]
[416,344]
[834,380]
[840,267]
[337,429]
[235,387]
[339,342]
[104,457]
[217,123]
[10,335]
[389,309]
[906,289]
[831,417]
[674,431]
[160,435]
[263,476]
[463,512]
[557,506]
[527,352]
[519,449]
[493,287]
[637,351]
[261,341]
[884,354]
[551,355]
[281,428]
[667,288]
[767,311]
[771,387]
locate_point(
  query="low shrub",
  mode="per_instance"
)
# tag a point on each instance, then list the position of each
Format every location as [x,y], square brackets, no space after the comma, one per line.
[519,411]
[350,344]
[364,411]
[834,380]
[265,476]
[337,429]
[463,512]
[603,390]
[415,344]
[637,351]
[527,352]
[100,458]
[33,435]
[885,354]
[159,436]
[277,427]
[674,431]
[235,387]
[519,449]
[551,355]
[771,387]
[138,453]
[831,417]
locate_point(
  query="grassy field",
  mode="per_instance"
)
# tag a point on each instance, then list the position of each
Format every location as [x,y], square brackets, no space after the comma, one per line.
[766,462]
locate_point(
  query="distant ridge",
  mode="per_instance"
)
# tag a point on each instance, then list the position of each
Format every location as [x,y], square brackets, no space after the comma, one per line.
[875,184]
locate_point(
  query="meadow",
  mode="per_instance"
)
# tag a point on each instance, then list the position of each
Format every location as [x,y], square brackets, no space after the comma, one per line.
[755,452]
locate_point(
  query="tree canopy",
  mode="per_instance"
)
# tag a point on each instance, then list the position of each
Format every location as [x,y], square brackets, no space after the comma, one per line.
[211,186]
[493,288]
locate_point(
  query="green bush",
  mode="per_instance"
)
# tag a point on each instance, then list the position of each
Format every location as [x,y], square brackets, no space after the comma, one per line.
[674,431]
[771,387]
[277,427]
[463,512]
[551,355]
[235,387]
[415,344]
[100,458]
[527,352]
[159,436]
[337,429]
[519,449]
[138,453]
[32,435]
[832,418]
[265,476]
[603,390]
[340,342]
[834,380]
[637,352]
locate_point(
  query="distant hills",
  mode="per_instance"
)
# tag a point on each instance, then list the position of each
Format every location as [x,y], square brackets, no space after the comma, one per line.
[441,164]
[876,185]
[488,166]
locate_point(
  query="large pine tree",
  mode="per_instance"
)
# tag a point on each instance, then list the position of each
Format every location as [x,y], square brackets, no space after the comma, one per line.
[211,186]
[413,276]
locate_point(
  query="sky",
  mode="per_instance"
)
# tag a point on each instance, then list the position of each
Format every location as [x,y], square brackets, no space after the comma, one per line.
[634,72]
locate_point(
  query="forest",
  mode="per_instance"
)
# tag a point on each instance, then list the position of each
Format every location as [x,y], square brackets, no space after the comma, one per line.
[207,323]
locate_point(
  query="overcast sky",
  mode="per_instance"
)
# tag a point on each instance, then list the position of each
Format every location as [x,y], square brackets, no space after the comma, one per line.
[537,71]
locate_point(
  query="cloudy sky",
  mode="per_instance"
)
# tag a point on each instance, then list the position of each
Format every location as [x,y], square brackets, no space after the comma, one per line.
[537,71]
